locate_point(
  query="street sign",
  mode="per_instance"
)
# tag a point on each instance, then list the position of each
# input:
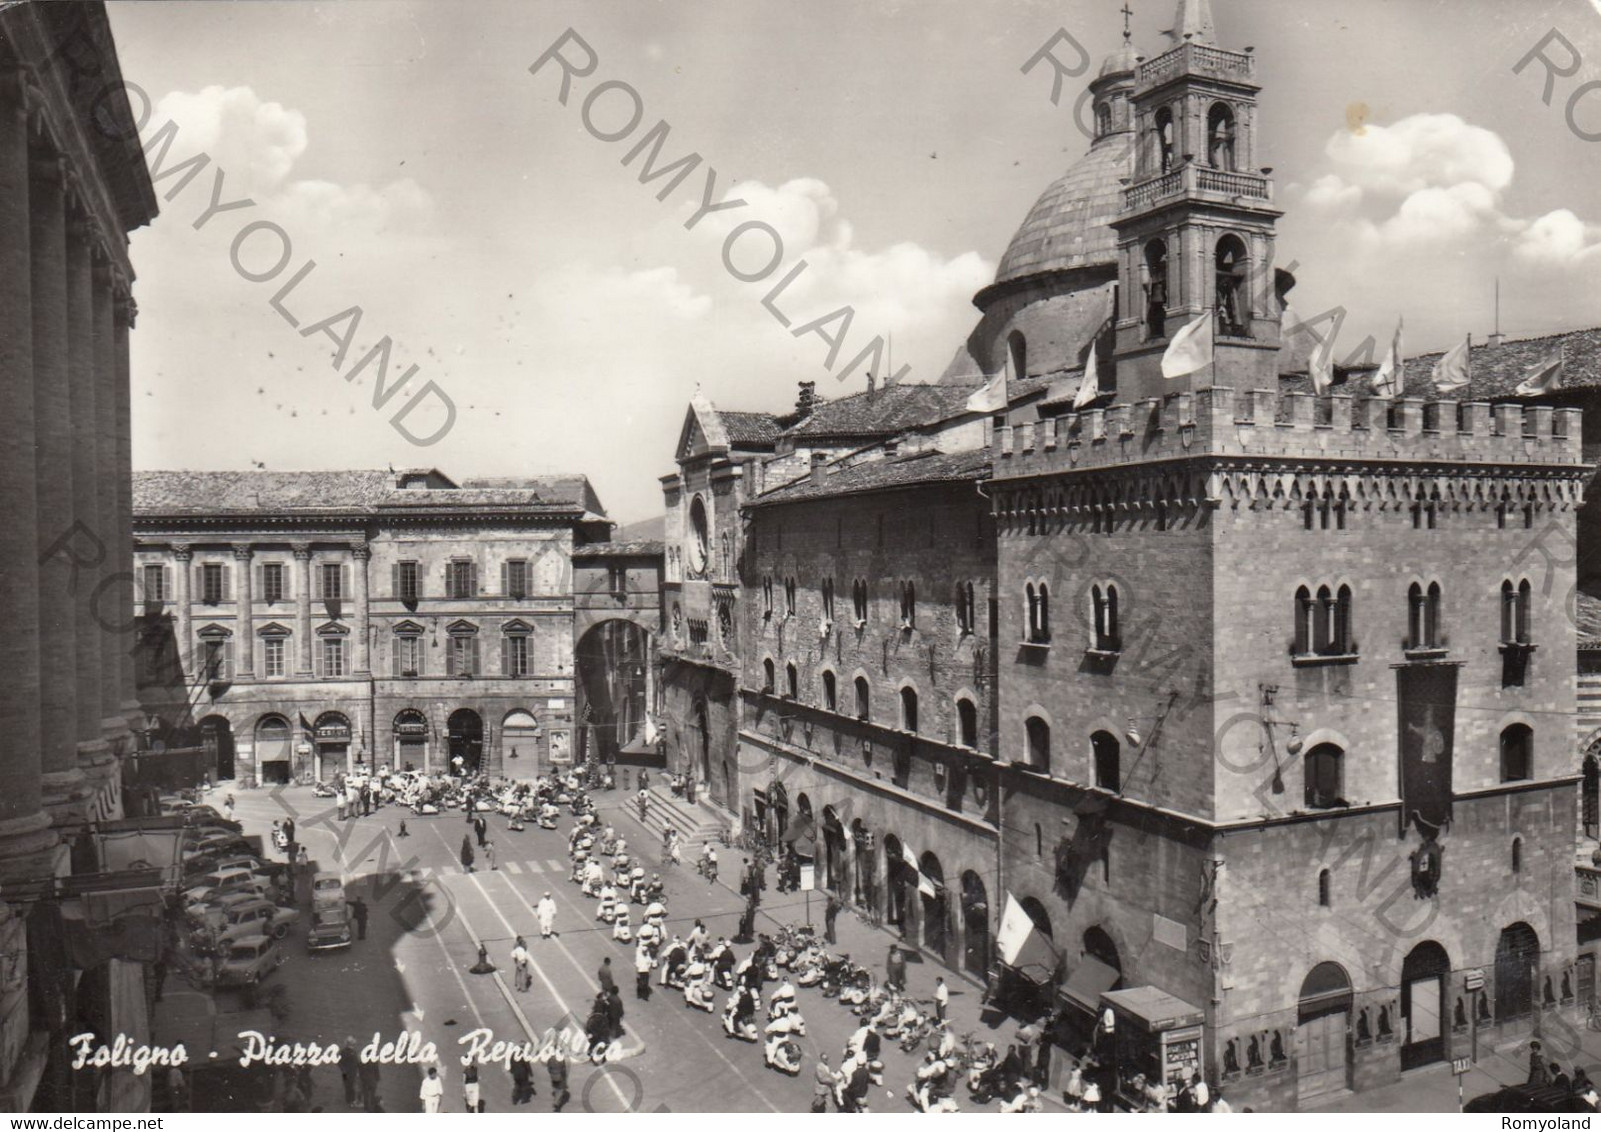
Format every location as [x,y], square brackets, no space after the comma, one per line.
[808,877]
[1473,979]
[1460,1065]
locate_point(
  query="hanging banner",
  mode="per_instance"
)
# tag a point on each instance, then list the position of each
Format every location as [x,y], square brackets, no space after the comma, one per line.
[1426,702]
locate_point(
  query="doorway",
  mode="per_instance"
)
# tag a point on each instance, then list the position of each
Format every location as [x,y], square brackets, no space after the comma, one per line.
[466,731]
[1423,979]
[216,735]
[1322,1036]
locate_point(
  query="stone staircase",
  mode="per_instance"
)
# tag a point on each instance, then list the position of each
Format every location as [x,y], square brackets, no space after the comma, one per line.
[696,824]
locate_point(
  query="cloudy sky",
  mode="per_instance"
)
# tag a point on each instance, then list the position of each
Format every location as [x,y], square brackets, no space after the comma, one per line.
[568,311]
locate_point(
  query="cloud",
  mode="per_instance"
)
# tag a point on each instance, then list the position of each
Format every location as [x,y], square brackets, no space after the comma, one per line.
[257,142]
[1419,152]
[1434,182]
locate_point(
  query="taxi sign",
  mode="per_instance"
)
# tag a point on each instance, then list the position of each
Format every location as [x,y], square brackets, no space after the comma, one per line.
[1460,1065]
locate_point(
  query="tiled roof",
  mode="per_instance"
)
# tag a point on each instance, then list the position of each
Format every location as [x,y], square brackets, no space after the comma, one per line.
[1587,617]
[746,429]
[884,475]
[638,548]
[1496,370]
[886,411]
[1070,224]
[203,493]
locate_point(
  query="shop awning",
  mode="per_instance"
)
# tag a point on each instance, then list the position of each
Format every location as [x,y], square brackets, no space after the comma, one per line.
[1089,980]
[1153,1009]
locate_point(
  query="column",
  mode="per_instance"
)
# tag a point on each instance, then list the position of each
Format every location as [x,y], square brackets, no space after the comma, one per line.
[244,650]
[25,835]
[61,782]
[108,614]
[303,606]
[361,552]
[93,751]
[183,631]
[127,679]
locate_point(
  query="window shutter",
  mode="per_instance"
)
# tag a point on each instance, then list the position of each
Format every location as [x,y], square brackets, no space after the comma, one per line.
[166,583]
[505,578]
[394,654]
[505,655]
[260,584]
[472,579]
[394,579]
[450,656]
[476,671]
[344,583]
[199,591]
[318,657]
[227,657]
[227,582]
[316,581]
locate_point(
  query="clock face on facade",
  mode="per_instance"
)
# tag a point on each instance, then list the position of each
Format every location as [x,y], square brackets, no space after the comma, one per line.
[698,537]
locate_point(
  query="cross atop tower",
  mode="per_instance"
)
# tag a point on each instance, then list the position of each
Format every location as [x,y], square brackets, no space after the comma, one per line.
[1128,14]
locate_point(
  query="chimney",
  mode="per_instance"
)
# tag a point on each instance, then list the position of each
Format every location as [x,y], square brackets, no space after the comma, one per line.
[806,399]
[818,470]
[872,383]
[1495,339]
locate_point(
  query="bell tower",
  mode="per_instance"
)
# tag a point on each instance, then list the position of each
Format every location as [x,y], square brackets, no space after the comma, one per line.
[1195,231]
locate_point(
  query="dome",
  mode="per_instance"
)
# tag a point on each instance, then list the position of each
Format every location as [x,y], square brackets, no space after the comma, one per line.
[1121,62]
[1070,225]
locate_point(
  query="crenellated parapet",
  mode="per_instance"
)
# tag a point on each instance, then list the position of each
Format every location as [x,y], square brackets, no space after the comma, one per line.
[1264,425]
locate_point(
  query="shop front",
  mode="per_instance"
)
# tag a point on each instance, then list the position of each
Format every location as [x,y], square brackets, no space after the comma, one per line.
[331,736]
[411,740]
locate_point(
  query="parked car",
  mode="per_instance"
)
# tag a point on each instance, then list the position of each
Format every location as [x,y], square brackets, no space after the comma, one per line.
[327,888]
[200,911]
[249,960]
[222,881]
[1528,1098]
[330,926]
[220,840]
[254,916]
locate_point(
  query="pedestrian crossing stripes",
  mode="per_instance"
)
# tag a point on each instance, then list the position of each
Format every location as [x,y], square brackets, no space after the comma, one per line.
[517,868]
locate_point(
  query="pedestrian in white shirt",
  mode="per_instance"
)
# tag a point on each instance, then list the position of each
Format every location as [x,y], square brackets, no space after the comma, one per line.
[432,1089]
[942,998]
[522,977]
[547,916]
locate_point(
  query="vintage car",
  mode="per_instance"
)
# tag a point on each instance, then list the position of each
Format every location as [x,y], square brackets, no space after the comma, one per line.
[330,926]
[249,959]
[327,888]
[253,916]
[220,882]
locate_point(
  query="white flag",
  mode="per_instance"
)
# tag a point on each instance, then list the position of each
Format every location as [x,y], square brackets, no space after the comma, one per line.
[990,399]
[1090,387]
[1191,348]
[1453,370]
[1390,380]
[1321,364]
[1543,378]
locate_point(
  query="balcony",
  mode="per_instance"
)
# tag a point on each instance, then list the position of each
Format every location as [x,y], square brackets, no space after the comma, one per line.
[1193,180]
[1199,60]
